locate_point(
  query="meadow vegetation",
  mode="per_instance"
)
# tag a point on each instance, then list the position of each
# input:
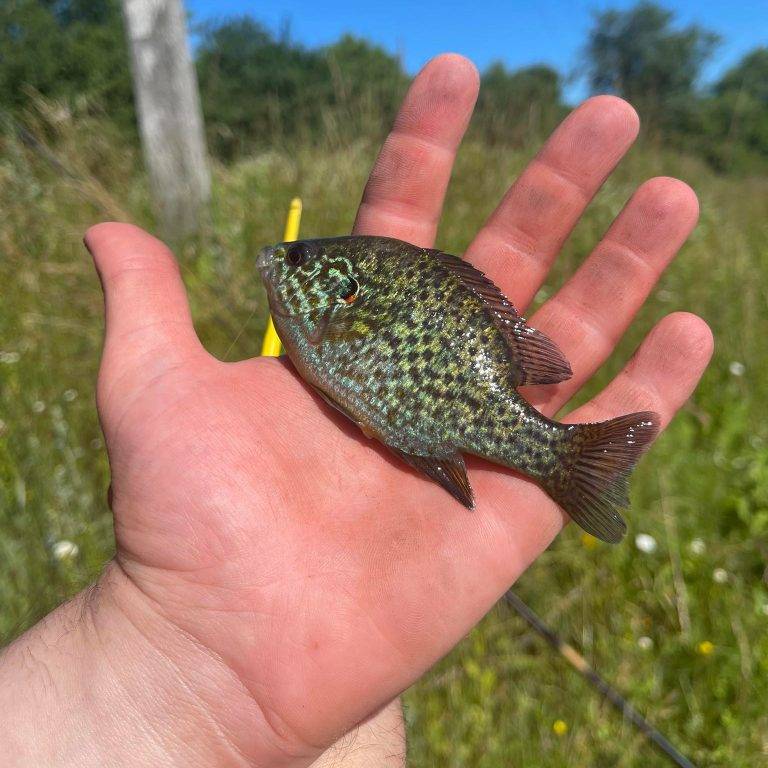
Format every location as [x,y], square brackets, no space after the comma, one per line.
[680,629]
[680,623]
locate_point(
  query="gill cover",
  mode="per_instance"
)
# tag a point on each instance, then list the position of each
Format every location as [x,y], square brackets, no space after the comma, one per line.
[307,278]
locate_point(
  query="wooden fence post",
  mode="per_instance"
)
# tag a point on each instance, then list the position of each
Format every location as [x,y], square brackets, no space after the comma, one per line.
[170,118]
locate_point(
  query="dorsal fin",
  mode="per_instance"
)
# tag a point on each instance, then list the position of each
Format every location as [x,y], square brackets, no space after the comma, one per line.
[536,357]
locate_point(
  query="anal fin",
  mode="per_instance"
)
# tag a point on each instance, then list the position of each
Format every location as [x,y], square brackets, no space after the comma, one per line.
[449,472]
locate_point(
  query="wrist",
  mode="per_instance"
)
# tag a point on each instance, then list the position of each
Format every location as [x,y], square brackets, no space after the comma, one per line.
[378,742]
[105,679]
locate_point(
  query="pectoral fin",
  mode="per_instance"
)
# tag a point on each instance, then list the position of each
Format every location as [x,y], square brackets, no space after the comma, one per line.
[317,336]
[367,432]
[450,472]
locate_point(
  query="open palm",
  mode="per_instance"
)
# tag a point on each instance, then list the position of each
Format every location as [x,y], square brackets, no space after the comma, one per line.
[324,575]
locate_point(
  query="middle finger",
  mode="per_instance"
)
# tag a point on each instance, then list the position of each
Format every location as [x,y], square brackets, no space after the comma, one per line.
[518,243]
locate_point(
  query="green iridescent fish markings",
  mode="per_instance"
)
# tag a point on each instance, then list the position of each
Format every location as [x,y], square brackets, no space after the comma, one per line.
[425,354]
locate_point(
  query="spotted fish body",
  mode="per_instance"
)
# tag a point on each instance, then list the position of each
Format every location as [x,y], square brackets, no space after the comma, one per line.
[425,354]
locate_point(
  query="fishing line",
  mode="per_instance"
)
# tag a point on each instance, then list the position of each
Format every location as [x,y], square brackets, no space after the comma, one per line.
[582,666]
[239,333]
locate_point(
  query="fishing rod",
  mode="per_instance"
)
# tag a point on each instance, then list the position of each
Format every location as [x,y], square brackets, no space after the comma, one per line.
[582,666]
[271,346]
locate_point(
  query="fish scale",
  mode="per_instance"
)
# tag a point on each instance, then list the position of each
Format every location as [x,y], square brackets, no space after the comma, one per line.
[425,354]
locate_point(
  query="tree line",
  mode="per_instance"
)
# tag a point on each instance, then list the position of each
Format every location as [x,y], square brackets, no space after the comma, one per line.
[260,88]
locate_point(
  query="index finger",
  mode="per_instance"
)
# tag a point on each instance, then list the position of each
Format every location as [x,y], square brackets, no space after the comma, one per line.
[405,191]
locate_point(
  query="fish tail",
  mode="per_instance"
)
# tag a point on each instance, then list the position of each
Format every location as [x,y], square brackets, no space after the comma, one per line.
[592,484]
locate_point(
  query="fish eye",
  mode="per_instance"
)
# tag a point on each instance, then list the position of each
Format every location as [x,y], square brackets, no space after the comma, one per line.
[352,293]
[296,255]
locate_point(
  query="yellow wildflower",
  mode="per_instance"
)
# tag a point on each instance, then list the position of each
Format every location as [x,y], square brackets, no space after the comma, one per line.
[560,727]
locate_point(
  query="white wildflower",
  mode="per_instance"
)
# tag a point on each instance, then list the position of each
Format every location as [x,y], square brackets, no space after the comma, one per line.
[697,546]
[38,406]
[646,543]
[664,295]
[60,114]
[69,395]
[644,643]
[736,368]
[719,575]
[65,550]
[96,443]
[9,357]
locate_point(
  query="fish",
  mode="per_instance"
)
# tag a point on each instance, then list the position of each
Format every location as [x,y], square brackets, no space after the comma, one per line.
[426,355]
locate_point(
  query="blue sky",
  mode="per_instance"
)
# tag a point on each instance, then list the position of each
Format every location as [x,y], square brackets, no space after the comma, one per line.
[517,33]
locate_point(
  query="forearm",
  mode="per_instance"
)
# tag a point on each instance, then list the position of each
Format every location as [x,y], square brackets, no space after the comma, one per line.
[101,681]
[104,681]
[62,701]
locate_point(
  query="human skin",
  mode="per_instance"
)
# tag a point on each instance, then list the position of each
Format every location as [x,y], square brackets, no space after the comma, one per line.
[279,577]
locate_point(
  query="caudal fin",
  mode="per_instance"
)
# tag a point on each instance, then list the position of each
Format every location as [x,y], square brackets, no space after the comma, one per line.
[595,483]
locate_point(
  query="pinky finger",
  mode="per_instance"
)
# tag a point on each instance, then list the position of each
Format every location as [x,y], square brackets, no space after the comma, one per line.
[661,375]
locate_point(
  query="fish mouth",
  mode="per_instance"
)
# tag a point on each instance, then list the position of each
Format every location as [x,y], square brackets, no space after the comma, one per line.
[265,264]
[265,258]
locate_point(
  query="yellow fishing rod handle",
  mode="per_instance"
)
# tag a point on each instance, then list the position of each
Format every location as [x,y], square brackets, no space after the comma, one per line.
[270,347]
[292,221]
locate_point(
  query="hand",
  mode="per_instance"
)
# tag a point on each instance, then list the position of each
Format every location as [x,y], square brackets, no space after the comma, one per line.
[314,576]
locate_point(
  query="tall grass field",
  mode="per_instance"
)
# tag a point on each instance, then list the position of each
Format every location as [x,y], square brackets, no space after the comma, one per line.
[680,626]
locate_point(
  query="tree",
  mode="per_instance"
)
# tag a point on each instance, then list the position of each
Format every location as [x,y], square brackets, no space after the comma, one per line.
[519,105]
[749,76]
[258,88]
[739,112]
[66,49]
[365,75]
[639,55]
[728,125]
[255,87]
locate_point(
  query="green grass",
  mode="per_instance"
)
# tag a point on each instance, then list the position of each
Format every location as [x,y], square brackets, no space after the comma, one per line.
[492,702]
